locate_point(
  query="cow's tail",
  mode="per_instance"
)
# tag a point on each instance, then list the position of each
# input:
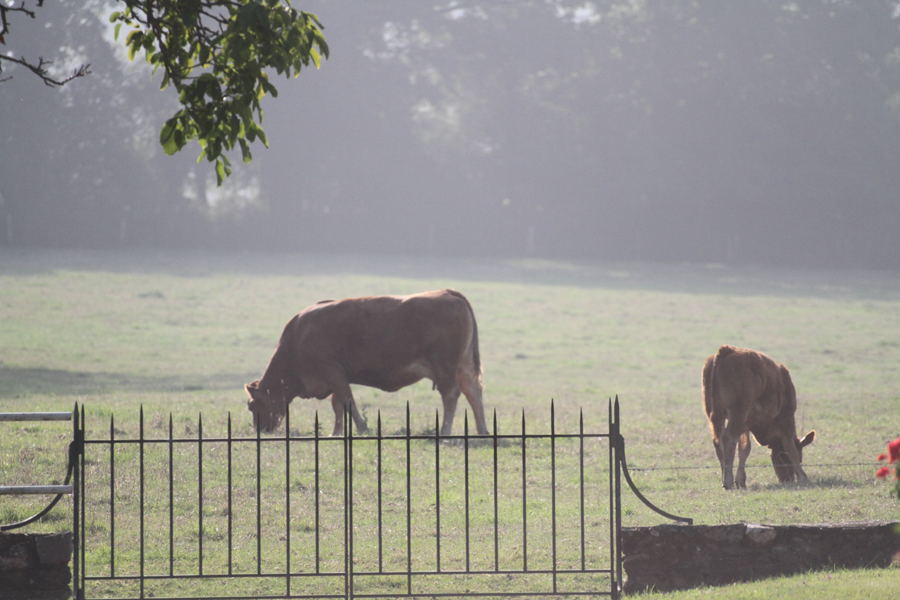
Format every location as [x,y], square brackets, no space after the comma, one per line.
[716,418]
[710,401]
[476,353]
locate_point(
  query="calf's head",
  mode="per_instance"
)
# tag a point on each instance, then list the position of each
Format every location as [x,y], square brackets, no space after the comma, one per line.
[784,467]
[268,407]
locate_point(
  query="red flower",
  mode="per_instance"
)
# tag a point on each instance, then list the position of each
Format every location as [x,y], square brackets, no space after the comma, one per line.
[882,457]
[894,450]
[882,472]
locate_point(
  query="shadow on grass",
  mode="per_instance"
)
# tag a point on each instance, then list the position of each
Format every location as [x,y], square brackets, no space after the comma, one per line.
[629,275]
[820,483]
[19,382]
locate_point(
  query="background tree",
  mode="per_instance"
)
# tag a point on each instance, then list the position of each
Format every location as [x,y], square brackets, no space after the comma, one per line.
[686,130]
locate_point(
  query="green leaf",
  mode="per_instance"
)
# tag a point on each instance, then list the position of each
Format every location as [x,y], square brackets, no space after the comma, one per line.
[131,50]
[222,171]
[167,137]
[245,151]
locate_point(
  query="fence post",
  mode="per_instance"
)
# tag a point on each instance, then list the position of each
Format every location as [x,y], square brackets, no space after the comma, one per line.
[76,457]
[616,501]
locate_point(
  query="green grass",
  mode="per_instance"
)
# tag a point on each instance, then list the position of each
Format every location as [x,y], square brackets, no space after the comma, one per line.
[860,584]
[182,333]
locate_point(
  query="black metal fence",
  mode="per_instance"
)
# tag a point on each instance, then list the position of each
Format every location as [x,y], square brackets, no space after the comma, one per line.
[383,515]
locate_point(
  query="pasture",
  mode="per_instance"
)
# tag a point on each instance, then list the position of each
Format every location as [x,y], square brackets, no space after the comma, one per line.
[181,334]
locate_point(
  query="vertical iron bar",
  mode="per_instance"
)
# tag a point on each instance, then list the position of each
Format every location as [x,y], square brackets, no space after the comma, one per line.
[496,502]
[581,480]
[408,507]
[618,503]
[200,493]
[524,502]
[437,490]
[171,502]
[380,513]
[553,486]
[141,496]
[316,446]
[258,501]
[612,500]
[76,503]
[466,480]
[83,497]
[112,496]
[287,498]
[348,445]
[230,531]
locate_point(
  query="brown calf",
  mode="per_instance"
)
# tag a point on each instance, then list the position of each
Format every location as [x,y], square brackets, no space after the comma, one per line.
[754,394]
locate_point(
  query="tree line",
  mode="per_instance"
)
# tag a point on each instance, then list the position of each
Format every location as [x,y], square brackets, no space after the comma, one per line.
[743,133]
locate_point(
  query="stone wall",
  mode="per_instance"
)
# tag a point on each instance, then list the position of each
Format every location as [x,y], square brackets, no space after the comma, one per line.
[675,557]
[35,566]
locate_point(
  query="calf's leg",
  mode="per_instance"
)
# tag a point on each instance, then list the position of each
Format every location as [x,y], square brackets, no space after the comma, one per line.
[744,447]
[728,442]
[790,448]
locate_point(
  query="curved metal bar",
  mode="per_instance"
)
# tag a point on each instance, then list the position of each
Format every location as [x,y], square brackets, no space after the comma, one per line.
[621,454]
[73,457]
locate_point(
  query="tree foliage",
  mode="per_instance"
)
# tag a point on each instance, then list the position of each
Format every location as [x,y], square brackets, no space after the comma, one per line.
[215,53]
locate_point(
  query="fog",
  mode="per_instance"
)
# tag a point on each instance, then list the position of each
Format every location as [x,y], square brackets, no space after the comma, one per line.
[762,133]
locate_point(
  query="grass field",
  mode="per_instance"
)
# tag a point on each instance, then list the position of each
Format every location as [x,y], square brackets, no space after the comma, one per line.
[182,333]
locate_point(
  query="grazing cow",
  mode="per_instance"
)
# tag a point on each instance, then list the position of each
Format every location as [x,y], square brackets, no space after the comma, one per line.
[386,342]
[755,395]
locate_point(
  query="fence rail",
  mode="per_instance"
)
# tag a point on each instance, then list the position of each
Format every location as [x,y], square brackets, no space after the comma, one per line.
[35,490]
[36,416]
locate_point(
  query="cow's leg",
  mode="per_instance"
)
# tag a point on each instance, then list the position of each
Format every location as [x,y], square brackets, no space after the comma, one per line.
[449,398]
[337,404]
[341,399]
[744,447]
[717,444]
[717,425]
[471,386]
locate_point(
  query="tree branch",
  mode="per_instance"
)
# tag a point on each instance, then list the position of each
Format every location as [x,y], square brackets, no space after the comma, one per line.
[41,71]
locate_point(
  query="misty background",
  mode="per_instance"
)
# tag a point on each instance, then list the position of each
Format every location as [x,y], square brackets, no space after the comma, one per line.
[764,132]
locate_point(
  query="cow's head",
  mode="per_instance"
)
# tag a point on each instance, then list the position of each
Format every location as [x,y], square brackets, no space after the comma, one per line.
[268,407]
[784,468]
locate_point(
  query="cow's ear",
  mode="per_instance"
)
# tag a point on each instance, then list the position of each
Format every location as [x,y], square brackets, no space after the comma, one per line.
[252,387]
[808,439]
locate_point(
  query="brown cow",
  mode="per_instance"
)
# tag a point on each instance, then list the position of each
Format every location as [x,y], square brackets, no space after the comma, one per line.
[755,395]
[386,342]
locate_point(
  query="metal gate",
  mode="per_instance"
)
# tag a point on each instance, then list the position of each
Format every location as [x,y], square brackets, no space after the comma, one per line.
[386,515]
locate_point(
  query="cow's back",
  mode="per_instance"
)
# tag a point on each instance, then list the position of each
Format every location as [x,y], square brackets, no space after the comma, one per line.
[736,380]
[384,341]
[752,387]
